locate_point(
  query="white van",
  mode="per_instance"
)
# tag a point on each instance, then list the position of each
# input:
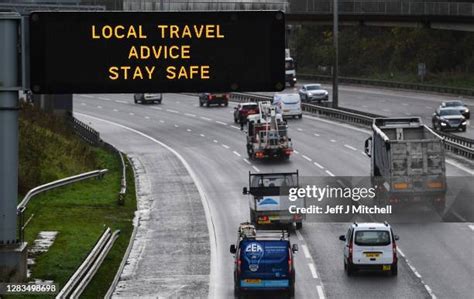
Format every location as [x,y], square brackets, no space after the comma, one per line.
[288,104]
[370,246]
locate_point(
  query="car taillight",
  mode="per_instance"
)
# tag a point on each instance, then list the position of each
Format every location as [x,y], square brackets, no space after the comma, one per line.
[394,248]
[259,155]
[209,97]
[288,151]
[263,218]
[226,96]
[289,262]
[239,263]
[350,251]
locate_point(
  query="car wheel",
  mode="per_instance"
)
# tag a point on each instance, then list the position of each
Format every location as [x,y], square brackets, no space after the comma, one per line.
[395,270]
[300,116]
[292,84]
[200,103]
[207,104]
[350,270]
[226,104]
[299,225]
[291,291]
[463,129]
[135,100]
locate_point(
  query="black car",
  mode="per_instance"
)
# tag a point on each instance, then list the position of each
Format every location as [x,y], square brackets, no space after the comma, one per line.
[209,99]
[458,105]
[449,119]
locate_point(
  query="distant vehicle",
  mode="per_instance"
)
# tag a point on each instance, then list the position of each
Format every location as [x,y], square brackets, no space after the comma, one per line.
[245,109]
[290,72]
[267,134]
[407,161]
[370,246]
[209,99]
[458,105]
[269,201]
[449,119]
[144,98]
[313,93]
[289,104]
[263,261]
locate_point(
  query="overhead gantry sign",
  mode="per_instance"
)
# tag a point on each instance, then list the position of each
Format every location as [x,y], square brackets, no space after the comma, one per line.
[114,52]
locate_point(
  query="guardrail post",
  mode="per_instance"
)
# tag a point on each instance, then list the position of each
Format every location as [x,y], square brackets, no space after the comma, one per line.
[12,251]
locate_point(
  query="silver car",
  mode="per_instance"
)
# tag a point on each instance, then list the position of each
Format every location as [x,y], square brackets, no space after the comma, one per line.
[313,92]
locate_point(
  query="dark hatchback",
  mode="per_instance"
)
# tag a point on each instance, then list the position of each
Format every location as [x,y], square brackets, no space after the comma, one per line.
[449,119]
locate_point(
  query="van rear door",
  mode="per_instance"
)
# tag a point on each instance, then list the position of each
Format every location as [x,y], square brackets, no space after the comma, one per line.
[264,263]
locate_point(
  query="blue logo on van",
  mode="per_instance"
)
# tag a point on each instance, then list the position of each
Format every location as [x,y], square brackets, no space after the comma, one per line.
[253,254]
[268,201]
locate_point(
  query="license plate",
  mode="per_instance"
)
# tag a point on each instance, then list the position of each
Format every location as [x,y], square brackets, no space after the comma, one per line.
[253,281]
[372,254]
[286,110]
[264,221]
[386,267]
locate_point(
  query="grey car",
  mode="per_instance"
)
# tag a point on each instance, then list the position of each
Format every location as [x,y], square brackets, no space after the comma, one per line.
[313,92]
[144,98]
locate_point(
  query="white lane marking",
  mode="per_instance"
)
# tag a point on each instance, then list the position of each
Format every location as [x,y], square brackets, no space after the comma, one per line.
[319,165]
[157,108]
[172,111]
[405,104]
[306,251]
[350,147]
[202,135]
[202,196]
[190,114]
[162,121]
[236,153]
[178,102]
[307,158]
[429,107]
[400,252]
[316,134]
[131,113]
[332,140]
[363,153]
[386,110]
[221,123]
[225,146]
[176,126]
[320,292]
[471,227]
[147,117]
[298,234]
[459,216]
[205,118]
[459,166]
[83,104]
[330,173]
[99,107]
[119,101]
[215,141]
[255,168]
[299,129]
[104,99]
[312,268]
[189,130]
[430,291]
[247,161]
[115,110]
[296,152]
[407,113]
[87,96]
[235,127]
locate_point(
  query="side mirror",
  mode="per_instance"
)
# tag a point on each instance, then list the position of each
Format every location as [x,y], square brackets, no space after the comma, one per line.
[233,250]
[245,191]
[294,248]
[368,147]
[434,114]
[396,237]
[342,237]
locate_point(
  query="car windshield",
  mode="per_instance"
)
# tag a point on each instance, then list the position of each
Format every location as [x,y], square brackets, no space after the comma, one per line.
[449,112]
[453,104]
[313,87]
[372,238]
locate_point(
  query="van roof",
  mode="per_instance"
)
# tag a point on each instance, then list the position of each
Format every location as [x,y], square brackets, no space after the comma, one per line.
[371,225]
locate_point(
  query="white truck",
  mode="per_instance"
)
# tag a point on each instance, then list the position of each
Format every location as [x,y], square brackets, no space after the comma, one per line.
[269,199]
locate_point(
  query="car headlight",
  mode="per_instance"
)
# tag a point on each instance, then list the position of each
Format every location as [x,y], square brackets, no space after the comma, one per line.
[467,110]
[443,123]
[464,123]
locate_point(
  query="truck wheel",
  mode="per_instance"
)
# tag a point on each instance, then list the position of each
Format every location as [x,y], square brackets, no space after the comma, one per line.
[299,225]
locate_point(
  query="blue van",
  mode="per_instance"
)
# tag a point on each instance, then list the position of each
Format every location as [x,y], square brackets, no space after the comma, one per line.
[264,262]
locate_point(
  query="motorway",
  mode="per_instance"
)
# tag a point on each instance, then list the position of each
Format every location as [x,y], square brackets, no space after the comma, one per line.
[437,257]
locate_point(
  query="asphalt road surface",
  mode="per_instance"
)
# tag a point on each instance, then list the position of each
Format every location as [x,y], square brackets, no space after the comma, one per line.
[436,258]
